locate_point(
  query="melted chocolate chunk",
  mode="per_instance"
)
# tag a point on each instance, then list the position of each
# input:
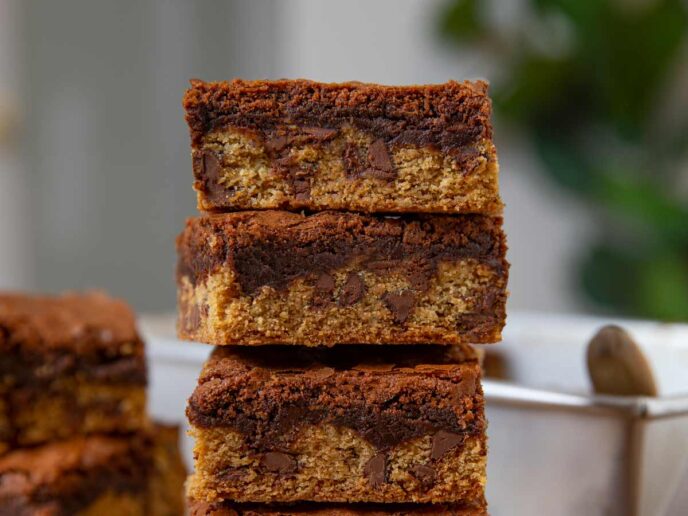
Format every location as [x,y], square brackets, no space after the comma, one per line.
[426,475]
[444,441]
[278,462]
[380,163]
[352,291]
[209,175]
[353,161]
[324,288]
[376,470]
[400,304]
[276,143]
[320,133]
[298,175]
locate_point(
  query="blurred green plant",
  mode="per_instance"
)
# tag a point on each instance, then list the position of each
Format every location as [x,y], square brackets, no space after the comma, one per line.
[585,81]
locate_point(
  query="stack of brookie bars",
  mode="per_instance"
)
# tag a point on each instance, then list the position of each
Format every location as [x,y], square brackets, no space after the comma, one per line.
[350,250]
[75,437]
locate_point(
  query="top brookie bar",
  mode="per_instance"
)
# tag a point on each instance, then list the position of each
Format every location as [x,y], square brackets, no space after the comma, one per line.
[72,364]
[297,144]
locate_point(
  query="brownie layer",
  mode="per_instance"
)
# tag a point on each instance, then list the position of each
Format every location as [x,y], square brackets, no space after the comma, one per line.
[331,509]
[286,424]
[69,477]
[447,116]
[91,327]
[306,145]
[328,278]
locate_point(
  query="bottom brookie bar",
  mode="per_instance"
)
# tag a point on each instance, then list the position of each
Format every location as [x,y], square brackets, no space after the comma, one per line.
[333,509]
[282,424]
[96,475]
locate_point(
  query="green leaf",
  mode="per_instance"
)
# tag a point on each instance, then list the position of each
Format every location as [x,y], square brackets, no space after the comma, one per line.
[663,282]
[462,20]
[564,162]
[642,201]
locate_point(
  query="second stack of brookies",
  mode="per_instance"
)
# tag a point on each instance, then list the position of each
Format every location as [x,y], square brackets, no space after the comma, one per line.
[350,250]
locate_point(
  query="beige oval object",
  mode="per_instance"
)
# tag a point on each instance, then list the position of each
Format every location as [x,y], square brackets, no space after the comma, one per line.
[617,365]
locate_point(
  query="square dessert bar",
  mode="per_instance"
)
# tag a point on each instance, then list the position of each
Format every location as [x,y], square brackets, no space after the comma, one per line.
[363,147]
[136,475]
[72,364]
[341,278]
[334,509]
[282,424]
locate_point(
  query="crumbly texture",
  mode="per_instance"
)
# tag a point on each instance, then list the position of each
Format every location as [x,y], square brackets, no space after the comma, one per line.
[141,474]
[306,145]
[339,425]
[72,364]
[328,278]
[79,476]
[331,509]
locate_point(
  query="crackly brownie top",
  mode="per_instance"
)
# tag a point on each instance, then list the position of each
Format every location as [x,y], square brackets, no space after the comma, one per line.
[42,337]
[273,248]
[197,508]
[447,116]
[65,476]
[389,396]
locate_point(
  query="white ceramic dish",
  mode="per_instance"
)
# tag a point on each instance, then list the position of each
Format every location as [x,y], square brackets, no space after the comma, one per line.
[555,449]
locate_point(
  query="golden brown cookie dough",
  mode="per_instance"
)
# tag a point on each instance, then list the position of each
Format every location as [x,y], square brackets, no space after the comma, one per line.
[72,364]
[330,278]
[362,147]
[281,424]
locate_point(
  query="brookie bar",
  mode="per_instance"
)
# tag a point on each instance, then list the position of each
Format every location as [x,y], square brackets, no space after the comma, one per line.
[330,278]
[136,475]
[69,365]
[296,144]
[281,424]
[334,509]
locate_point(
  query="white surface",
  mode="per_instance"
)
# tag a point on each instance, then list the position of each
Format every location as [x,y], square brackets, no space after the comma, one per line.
[554,448]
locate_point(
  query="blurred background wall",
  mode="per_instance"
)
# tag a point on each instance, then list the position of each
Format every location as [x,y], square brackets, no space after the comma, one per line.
[95,172]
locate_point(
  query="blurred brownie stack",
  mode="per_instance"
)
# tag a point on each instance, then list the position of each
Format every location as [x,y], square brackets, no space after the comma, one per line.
[349,251]
[75,437]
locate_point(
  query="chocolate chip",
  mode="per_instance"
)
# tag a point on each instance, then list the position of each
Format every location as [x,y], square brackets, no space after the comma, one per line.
[324,287]
[379,157]
[375,470]
[276,143]
[442,442]
[352,161]
[278,462]
[320,133]
[400,304]
[296,174]
[352,291]
[380,163]
[209,173]
[426,475]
